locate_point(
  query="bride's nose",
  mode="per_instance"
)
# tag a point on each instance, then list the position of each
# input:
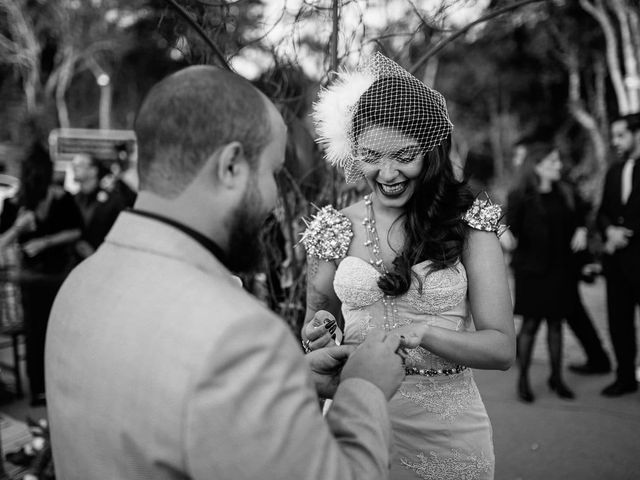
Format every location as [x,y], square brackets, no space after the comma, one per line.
[388,170]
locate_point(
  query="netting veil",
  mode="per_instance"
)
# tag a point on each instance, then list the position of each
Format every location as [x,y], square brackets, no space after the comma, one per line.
[382,94]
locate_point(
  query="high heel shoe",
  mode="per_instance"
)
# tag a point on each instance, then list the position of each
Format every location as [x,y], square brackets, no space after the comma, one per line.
[561,389]
[524,392]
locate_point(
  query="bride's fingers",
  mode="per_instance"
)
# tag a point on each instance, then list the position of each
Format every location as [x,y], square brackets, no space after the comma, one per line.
[315,329]
[322,316]
[324,341]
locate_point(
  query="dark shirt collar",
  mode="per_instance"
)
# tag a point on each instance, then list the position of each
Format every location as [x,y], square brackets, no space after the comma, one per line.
[203,240]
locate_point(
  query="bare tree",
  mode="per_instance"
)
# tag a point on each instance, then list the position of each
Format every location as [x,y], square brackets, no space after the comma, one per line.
[20,48]
[619,22]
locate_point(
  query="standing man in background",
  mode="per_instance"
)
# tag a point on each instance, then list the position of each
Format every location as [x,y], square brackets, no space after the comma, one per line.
[619,221]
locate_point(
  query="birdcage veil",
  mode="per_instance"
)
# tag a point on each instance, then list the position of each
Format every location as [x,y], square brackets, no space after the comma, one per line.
[380,93]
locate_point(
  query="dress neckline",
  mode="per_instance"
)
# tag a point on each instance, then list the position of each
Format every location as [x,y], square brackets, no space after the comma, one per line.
[369,264]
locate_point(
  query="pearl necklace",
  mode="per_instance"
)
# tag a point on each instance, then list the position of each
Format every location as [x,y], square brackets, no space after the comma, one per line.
[373,245]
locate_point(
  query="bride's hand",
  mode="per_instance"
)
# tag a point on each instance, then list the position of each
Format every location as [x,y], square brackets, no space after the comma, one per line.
[320,331]
[411,335]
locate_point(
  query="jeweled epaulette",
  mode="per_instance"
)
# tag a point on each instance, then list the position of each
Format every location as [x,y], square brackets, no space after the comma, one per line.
[328,234]
[485,215]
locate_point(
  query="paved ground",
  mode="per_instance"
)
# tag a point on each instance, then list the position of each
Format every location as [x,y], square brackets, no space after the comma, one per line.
[592,437]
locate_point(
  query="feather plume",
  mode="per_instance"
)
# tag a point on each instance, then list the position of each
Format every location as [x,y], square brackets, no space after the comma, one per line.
[333,111]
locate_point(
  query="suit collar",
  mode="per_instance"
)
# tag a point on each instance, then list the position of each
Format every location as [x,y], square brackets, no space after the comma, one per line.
[151,235]
[203,240]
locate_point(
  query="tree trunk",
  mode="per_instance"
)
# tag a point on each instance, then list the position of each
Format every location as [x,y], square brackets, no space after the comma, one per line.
[623,12]
[584,118]
[598,11]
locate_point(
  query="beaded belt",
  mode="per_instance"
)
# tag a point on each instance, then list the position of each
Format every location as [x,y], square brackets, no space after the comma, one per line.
[432,372]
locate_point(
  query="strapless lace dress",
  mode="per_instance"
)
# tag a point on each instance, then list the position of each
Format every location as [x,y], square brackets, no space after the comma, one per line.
[440,425]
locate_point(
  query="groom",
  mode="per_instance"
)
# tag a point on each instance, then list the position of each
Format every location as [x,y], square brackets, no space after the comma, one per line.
[159,365]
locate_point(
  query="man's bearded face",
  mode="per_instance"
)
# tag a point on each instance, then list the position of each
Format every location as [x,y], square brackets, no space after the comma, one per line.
[245,246]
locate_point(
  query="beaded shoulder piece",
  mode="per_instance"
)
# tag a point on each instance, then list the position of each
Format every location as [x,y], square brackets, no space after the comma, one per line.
[485,215]
[328,235]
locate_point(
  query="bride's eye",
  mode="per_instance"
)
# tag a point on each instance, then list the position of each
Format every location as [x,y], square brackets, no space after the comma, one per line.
[407,156]
[368,156]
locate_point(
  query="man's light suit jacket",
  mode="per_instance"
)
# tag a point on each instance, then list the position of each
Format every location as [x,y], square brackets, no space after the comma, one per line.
[159,366]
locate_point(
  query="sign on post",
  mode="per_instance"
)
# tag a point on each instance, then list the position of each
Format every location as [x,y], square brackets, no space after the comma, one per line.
[104,145]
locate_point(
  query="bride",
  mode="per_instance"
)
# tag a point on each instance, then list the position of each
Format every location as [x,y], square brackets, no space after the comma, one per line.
[419,256]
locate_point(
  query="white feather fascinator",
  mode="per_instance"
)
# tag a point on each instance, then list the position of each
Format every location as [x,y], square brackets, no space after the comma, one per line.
[333,113]
[398,101]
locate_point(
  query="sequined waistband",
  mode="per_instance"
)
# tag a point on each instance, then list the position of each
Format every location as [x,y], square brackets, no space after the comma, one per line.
[432,372]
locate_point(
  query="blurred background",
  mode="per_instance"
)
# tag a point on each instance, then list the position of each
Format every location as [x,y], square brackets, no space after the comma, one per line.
[73,73]
[509,70]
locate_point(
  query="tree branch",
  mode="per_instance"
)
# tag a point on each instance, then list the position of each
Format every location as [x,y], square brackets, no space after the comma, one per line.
[443,43]
[611,41]
[200,31]
[628,54]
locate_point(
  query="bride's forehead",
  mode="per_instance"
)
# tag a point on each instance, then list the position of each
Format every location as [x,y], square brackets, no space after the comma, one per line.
[384,139]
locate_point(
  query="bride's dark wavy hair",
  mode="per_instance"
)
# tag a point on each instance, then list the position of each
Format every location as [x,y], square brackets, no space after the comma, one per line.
[434,229]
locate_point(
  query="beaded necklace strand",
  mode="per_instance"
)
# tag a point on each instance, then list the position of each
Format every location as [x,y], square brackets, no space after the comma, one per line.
[372,243]
[390,310]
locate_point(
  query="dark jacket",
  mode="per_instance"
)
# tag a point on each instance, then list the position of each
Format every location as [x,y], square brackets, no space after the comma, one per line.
[613,212]
[529,223]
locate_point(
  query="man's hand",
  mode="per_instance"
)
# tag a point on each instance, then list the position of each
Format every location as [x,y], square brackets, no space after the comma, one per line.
[326,365]
[617,238]
[25,222]
[579,240]
[378,361]
[35,246]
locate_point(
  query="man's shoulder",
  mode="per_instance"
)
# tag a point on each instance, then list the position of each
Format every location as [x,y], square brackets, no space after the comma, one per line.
[615,165]
[203,309]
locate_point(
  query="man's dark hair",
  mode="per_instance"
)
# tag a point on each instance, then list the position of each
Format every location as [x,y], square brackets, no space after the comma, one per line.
[631,119]
[36,175]
[190,114]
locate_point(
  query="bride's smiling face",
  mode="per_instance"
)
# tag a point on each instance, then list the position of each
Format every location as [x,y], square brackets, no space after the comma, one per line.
[391,163]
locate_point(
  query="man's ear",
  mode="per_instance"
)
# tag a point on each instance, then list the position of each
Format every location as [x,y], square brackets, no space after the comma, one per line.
[232,167]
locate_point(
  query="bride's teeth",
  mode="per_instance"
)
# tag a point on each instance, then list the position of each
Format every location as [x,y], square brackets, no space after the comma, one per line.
[391,189]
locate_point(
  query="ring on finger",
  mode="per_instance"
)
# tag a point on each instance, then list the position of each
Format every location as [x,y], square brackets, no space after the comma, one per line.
[305,345]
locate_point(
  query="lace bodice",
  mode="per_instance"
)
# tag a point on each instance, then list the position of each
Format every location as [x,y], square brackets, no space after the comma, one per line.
[441,302]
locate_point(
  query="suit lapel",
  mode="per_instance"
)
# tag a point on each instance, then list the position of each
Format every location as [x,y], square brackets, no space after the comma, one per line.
[614,196]
[635,183]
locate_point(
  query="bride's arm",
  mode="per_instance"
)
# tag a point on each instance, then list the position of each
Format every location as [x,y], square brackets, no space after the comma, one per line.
[492,345]
[320,298]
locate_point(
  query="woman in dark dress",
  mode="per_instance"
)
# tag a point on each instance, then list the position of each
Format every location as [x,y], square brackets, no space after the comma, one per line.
[542,216]
[45,223]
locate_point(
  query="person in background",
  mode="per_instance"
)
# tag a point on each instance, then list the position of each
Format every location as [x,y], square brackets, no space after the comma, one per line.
[115,181]
[578,319]
[99,208]
[543,217]
[45,222]
[619,221]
